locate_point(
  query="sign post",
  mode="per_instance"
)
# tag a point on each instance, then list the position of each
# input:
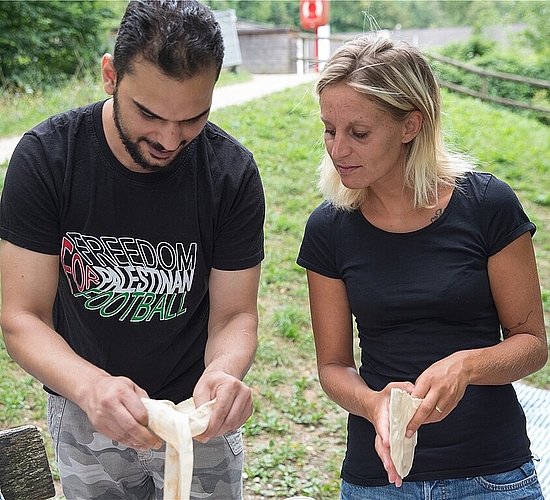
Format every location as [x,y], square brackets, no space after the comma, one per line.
[314,14]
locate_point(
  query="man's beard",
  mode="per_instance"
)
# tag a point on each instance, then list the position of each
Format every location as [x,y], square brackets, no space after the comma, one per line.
[133,147]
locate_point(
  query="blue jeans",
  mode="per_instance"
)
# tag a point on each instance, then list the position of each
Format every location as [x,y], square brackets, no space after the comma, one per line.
[519,484]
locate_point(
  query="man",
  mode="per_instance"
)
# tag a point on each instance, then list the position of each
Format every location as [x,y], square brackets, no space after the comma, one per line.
[133,236]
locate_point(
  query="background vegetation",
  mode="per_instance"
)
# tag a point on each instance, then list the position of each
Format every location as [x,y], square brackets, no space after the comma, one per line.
[42,43]
[45,42]
[353,15]
[296,438]
[521,60]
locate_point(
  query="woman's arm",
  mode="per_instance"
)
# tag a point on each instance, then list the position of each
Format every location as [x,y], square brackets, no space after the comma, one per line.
[333,331]
[516,291]
[524,349]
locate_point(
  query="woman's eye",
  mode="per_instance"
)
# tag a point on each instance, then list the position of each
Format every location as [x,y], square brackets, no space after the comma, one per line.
[329,132]
[360,135]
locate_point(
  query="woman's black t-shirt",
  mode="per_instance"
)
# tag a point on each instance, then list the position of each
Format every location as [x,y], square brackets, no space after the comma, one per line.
[418,297]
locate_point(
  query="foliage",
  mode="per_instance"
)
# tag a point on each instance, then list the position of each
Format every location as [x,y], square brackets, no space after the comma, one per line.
[295,440]
[356,15]
[280,13]
[487,55]
[45,42]
[476,46]
[535,15]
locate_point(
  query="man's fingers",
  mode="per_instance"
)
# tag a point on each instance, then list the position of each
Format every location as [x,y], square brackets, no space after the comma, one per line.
[116,410]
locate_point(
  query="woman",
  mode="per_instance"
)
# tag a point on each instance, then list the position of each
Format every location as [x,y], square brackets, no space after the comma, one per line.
[435,263]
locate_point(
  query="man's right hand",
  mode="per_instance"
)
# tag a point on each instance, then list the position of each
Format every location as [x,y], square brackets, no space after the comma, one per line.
[29,289]
[114,408]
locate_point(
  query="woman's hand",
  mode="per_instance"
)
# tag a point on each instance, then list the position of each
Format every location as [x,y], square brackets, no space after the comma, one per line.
[441,387]
[379,416]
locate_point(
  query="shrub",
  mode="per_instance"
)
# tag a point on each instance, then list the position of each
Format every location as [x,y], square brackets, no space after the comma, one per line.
[45,42]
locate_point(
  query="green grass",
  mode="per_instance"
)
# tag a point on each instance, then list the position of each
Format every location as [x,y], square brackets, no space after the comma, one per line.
[295,440]
[22,399]
[21,111]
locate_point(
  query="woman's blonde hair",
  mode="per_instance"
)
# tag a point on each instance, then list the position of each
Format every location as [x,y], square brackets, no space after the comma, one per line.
[399,80]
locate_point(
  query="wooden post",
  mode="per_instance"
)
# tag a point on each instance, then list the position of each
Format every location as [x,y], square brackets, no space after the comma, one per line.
[484,86]
[24,469]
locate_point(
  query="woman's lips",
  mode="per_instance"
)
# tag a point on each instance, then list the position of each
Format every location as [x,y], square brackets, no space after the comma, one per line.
[346,169]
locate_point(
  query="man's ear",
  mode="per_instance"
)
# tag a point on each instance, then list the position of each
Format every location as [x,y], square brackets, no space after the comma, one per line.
[108,74]
[412,126]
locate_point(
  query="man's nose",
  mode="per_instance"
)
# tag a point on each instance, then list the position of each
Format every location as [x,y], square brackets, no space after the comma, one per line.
[170,135]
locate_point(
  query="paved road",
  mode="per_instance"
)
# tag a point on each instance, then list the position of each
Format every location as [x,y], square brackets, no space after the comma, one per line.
[228,95]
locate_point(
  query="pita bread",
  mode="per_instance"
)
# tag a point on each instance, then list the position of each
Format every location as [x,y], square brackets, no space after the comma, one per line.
[402,408]
[177,424]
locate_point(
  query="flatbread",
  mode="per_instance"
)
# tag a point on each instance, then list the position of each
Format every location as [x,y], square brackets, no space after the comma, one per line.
[402,408]
[177,424]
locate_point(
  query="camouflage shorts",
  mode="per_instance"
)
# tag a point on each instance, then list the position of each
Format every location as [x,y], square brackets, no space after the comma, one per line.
[94,467]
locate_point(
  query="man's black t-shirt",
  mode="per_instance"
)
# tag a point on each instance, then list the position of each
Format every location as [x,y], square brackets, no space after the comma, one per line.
[418,297]
[136,249]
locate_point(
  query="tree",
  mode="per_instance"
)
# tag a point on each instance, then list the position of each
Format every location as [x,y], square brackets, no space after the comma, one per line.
[357,16]
[538,29]
[45,42]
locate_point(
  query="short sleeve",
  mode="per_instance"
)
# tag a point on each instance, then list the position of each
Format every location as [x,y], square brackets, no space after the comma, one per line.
[317,251]
[240,241]
[504,218]
[30,199]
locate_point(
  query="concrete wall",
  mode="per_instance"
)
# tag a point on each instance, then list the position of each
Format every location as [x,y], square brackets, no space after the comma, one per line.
[268,51]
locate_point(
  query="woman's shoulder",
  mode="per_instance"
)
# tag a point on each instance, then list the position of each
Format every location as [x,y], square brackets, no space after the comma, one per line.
[326,215]
[484,187]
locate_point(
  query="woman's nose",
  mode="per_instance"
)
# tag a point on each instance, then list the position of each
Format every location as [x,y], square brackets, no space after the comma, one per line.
[339,147]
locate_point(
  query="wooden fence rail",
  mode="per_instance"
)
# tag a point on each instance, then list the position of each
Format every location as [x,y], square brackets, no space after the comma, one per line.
[485,75]
[307,60]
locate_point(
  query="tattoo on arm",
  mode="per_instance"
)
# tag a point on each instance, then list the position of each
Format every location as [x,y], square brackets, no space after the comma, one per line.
[437,215]
[507,331]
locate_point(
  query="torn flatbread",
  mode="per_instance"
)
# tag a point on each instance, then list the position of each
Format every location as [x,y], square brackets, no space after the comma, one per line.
[402,408]
[177,424]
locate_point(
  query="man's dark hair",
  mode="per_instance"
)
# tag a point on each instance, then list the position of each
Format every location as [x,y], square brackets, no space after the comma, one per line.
[180,38]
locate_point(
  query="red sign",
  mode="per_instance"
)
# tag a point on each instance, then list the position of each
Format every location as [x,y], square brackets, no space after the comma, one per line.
[313,13]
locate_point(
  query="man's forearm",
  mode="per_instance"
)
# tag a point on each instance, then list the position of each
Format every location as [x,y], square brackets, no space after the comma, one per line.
[231,348]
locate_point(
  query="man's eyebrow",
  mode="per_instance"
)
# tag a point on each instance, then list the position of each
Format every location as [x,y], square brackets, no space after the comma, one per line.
[187,120]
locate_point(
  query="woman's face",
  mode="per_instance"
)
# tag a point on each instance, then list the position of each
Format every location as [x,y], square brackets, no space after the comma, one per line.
[365,144]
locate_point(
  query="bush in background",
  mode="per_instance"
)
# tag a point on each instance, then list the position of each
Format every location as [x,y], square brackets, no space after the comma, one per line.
[43,43]
[485,54]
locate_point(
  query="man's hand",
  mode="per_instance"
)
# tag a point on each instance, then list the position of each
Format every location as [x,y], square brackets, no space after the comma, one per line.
[114,408]
[233,405]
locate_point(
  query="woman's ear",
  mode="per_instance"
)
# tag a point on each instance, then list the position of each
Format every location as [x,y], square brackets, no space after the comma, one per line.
[108,74]
[412,126]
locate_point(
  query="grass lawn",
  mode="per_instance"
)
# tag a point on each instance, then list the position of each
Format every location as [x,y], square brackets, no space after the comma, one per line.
[295,440]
